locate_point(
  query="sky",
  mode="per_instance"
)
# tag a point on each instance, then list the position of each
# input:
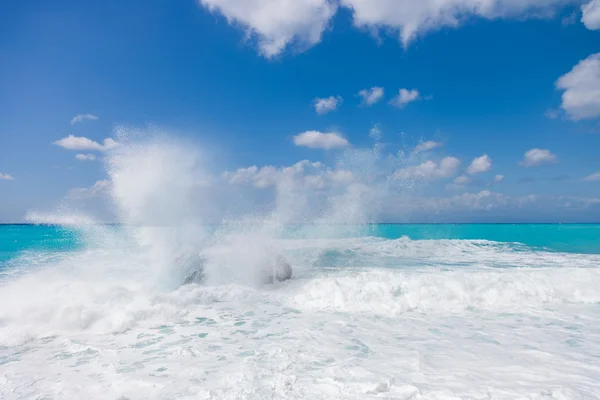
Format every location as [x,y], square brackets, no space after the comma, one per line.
[476,110]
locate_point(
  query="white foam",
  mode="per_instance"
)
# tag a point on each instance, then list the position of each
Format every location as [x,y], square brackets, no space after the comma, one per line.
[426,332]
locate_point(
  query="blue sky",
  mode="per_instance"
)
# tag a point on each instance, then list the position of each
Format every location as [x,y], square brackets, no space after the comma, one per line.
[481,81]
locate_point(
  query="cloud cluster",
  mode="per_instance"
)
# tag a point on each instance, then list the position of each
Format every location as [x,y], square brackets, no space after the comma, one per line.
[480,165]
[83,117]
[427,146]
[429,170]
[303,174]
[581,86]
[6,177]
[371,96]
[590,15]
[320,140]
[327,104]
[85,157]
[537,157]
[405,97]
[278,23]
[368,97]
[82,143]
[413,18]
[313,188]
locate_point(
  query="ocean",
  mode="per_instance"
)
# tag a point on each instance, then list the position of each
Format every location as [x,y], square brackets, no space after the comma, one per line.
[471,311]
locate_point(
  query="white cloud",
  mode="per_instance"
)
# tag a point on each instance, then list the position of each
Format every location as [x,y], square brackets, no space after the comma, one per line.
[327,104]
[6,177]
[412,18]
[591,15]
[277,23]
[426,146]
[319,140]
[480,164]
[499,178]
[593,177]
[85,157]
[314,175]
[537,157]
[83,117]
[462,180]
[371,96]
[82,143]
[99,188]
[405,96]
[429,170]
[581,97]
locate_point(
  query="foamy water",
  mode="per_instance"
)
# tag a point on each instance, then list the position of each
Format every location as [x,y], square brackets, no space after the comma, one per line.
[363,317]
[423,330]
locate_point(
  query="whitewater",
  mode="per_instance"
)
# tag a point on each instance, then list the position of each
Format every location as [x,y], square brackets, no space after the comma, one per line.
[100,311]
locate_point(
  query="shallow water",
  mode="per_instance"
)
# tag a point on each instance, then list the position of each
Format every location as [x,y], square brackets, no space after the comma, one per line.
[402,312]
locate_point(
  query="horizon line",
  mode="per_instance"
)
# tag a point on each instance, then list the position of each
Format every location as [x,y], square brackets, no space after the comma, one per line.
[318,223]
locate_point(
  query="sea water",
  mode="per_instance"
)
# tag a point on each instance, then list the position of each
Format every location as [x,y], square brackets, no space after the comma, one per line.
[408,312]
[93,311]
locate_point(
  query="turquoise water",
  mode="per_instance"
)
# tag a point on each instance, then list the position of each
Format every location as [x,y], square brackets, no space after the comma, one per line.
[569,238]
[429,312]
[15,239]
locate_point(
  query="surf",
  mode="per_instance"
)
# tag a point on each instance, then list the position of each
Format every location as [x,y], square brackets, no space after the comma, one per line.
[178,300]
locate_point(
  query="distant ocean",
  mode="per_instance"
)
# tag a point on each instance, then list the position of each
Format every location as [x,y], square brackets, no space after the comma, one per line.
[472,311]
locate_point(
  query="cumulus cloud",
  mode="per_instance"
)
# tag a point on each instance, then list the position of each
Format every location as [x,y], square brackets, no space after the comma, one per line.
[85,157]
[591,15]
[371,96]
[499,178]
[6,177]
[537,157]
[426,146]
[593,177]
[275,23]
[429,170]
[101,187]
[480,165]
[82,143]
[581,86]
[327,104]
[279,23]
[405,97]
[307,174]
[320,140]
[83,117]
[412,18]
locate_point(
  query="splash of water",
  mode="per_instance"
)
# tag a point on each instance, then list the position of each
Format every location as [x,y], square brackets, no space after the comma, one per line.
[174,215]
